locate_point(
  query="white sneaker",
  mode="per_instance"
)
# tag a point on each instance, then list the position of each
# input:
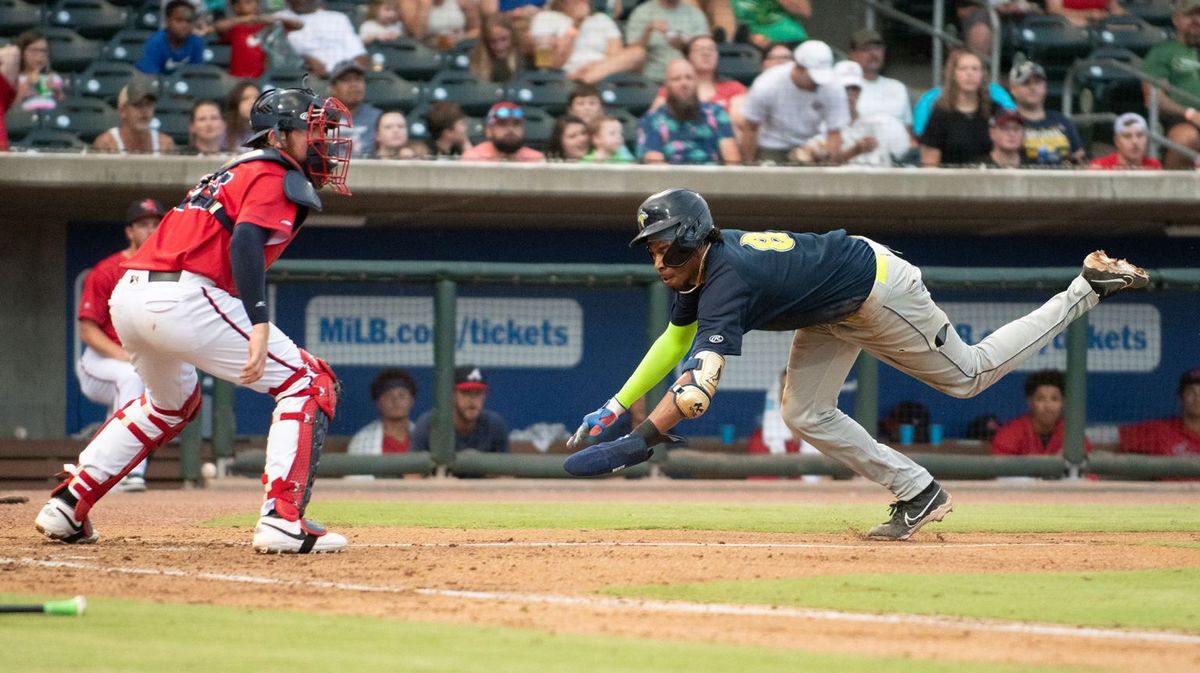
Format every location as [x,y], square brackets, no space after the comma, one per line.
[57,522]
[274,535]
[132,483]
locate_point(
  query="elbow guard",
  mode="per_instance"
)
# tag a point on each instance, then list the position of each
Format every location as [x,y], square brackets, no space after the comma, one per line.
[692,399]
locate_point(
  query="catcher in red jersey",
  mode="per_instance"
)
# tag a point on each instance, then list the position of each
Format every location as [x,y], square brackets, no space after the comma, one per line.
[194,296]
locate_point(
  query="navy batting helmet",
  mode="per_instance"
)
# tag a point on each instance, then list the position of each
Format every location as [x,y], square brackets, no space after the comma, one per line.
[677,215]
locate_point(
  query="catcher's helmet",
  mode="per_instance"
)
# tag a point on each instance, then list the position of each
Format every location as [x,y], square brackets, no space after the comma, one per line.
[677,215]
[322,119]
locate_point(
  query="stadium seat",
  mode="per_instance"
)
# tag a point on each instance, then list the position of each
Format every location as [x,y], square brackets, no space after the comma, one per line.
[89,18]
[1111,89]
[476,131]
[20,122]
[50,140]
[387,91]
[173,115]
[473,95]
[406,57]
[629,91]
[355,11]
[1129,32]
[458,57]
[104,79]
[127,45]
[147,16]
[218,54]
[18,16]
[203,81]
[547,89]
[1155,12]
[1055,44]
[742,62]
[86,117]
[288,76]
[417,128]
[70,51]
[629,125]
[539,125]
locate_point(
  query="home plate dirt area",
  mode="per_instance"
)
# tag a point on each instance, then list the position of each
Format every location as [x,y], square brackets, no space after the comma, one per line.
[156,546]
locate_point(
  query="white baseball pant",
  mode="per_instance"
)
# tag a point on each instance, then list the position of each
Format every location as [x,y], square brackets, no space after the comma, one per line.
[110,382]
[901,325]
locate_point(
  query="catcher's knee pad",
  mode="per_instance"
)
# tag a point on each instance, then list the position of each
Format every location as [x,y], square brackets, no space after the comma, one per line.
[150,427]
[311,407]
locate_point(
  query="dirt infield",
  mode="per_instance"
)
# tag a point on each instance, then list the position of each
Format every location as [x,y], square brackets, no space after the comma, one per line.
[153,547]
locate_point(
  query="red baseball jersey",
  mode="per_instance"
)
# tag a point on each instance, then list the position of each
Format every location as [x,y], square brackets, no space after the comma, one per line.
[97,289]
[190,238]
[1019,438]
[1164,437]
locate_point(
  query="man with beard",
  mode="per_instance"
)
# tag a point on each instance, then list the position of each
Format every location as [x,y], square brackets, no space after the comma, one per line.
[474,427]
[685,130]
[135,106]
[1178,63]
[505,133]
[788,103]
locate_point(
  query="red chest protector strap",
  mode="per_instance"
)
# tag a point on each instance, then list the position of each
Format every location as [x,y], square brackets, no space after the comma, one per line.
[296,187]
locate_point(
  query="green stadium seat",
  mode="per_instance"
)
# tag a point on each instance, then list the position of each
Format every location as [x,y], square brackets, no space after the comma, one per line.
[173,115]
[218,54]
[458,57]
[199,80]
[417,128]
[629,91]
[41,140]
[473,95]
[742,62]
[539,125]
[104,79]
[18,16]
[1111,89]
[287,77]
[86,117]
[1155,12]
[70,51]
[147,16]
[406,57]
[1129,32]
[127,45]
[20,122]
[89,18]
[547,89]
[387,91]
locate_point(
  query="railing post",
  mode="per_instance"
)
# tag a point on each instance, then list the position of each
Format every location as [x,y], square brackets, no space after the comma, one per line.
[994,22]
[1155,126]
[869,19]
[658,307]
[189,452]
[1075,413]
[224,420]
[441,435]
[866,397]
[939,20]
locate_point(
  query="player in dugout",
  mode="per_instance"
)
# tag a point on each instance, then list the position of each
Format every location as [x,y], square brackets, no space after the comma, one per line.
[841,294]
[194,296]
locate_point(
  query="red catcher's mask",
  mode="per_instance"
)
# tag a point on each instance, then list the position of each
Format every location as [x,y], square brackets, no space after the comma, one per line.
[328,160]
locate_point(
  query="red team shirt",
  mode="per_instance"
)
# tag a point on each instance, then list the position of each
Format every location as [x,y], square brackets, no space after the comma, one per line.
[1113,162]
[246,55]
[393,445]
[1018,438]
[97,290]
[1165,437]
[191,239]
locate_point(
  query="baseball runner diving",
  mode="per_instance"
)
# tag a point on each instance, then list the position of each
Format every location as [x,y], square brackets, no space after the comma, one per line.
[194,296]
[841,294]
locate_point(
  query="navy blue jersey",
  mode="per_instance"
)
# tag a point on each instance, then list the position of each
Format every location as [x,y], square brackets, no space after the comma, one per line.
[776,281]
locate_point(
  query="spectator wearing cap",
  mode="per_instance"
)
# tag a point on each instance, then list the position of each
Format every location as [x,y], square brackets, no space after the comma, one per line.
[663,28]
[136,134]
[788,104]
[474,427]
[1050,138]
[327,38]
[770,21]
[686,130]
[394,391]
[1176,436]
[1040,431]
[957,133]
[1129,136]
[105,374]
[447,127]
[1174,62]
[878,95]
[505,132]
[176,44]
[878,141]
[1007,131]
[348,83]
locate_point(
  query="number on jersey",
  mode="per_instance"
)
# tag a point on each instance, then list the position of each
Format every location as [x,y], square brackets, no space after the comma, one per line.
[767,240]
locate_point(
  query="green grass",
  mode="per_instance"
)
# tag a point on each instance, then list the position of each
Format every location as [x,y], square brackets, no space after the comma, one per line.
[1149,599]
[122,636]
[967,518]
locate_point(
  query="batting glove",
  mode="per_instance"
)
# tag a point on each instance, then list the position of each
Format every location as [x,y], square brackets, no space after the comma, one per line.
[608,457]
[595,423]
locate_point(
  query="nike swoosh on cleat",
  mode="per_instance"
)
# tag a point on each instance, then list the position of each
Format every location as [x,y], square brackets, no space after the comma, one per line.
[910,522]
[301,536]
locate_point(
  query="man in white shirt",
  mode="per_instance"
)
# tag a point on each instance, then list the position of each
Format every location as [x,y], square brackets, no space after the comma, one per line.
[787,105]
[327,38]
[880,95]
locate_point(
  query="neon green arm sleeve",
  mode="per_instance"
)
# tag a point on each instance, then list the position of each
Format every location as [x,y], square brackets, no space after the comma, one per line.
[666,352]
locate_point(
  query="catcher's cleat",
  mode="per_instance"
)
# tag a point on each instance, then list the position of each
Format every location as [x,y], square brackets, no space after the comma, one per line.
[57,521]
[1107,275]
[276,535]
[932,504]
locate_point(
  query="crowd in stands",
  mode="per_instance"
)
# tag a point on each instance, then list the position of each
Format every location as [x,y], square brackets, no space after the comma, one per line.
[687,81]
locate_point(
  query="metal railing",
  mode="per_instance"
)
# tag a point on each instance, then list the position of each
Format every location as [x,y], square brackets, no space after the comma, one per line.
[1157,137]
[938,37]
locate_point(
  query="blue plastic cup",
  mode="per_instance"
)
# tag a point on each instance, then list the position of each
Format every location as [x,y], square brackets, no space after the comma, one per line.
[906,434]
[727,433]
[935,434]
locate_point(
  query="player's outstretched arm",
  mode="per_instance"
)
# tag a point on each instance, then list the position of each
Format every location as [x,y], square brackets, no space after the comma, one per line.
[664,353]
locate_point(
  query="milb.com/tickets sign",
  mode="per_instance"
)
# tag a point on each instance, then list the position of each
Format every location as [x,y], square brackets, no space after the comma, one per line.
[489,331]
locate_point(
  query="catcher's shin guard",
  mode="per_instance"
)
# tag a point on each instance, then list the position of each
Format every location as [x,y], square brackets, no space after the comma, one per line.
[311,407]
[131,434]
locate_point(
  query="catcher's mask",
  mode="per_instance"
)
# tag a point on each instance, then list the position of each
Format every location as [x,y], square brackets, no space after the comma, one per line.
[328,158]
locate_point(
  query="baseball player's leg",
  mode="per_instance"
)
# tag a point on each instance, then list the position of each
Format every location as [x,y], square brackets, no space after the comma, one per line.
[817,368]
[113,383]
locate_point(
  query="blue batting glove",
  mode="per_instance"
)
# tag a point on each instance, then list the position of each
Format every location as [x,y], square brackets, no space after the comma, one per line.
[608,457]
[595,423]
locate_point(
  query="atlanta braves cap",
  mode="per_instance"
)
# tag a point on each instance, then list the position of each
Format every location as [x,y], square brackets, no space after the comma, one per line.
[469,377]
[144,208]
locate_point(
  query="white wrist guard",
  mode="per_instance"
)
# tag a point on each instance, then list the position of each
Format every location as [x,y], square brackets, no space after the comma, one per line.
[693,399]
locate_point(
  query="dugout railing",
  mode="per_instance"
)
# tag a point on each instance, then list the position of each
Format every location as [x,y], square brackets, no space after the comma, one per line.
[446,278]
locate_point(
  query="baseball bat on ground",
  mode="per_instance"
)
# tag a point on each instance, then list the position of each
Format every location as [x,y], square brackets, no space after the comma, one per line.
[72,607]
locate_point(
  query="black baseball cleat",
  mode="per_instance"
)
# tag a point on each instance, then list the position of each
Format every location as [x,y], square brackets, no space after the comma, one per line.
[1107,275]
[932,504]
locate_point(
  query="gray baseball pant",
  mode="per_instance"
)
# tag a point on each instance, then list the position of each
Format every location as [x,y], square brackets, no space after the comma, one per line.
[899,324]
